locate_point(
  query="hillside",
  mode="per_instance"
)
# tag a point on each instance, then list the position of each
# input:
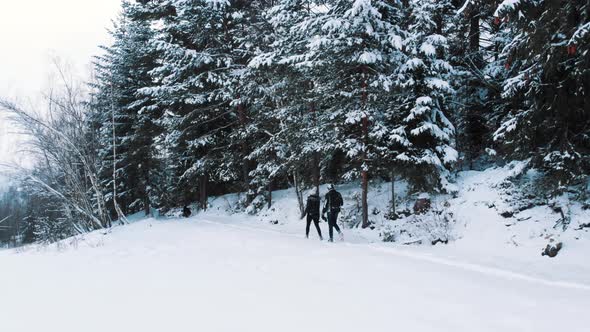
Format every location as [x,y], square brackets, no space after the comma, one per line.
[223,270]
[489,221]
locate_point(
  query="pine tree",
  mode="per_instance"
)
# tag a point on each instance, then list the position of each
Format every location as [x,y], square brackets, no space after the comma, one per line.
[291,143]
[352,50]
[190,79]
[248,33]
[425,132]
[474,38]
[120,74]
[547,90]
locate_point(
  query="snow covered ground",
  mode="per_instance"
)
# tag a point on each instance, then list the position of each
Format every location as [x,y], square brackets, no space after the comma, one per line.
[239,275]
[218,271]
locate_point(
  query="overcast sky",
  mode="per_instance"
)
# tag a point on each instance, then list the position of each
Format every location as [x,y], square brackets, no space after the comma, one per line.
[33,31]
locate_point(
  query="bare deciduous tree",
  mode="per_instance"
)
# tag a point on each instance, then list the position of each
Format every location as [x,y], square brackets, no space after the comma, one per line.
[65,165]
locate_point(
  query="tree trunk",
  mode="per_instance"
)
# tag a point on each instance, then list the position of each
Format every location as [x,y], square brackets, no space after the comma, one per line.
[269,193]
[392,190]
[146,197]
[244,145]
[365,189]
[316,172]
[364,198]
[474,31]
[299,193]
[316,157]
[364,163]
[203,192]
[120,214]
[17,228]
[146,205]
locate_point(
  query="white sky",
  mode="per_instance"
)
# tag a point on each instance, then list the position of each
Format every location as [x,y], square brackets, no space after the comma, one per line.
[33,31]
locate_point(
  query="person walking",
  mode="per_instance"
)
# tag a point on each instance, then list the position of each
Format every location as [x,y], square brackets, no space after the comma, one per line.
[312,210]
[332,207]
[186,212]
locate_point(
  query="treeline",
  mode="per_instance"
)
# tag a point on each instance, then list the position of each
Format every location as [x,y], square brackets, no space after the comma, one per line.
[204,97]
[12,212]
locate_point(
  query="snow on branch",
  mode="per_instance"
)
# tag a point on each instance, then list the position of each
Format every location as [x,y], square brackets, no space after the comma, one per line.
[462,9]
[581,33]
[506,6]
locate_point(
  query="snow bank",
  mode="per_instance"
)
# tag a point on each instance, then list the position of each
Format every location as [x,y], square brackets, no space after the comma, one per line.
[482,222]
[237,274]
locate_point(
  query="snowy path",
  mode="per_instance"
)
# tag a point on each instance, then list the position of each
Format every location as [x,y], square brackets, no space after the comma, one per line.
[209,276]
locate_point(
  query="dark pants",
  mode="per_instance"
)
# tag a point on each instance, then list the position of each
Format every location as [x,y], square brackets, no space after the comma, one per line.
[332,219]
[316,222]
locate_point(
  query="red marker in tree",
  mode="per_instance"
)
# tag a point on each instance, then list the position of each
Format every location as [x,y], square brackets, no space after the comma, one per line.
[571,49]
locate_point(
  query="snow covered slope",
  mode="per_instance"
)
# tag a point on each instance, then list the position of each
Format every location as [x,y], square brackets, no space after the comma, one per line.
[225,271]
[479,233]
[240,275]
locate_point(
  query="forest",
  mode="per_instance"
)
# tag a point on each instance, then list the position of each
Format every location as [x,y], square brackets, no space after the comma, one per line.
[201,98]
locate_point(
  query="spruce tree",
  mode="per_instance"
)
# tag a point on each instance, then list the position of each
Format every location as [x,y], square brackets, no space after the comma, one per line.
[547,89]
[120,73]
[352,50]
[291,145]
[425,131]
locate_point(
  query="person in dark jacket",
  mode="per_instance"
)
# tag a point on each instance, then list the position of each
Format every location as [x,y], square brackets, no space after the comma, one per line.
[312,210]
[186,212]
[332,207]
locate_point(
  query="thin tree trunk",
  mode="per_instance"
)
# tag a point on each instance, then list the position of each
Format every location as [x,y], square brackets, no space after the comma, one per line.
[472,146]
[16,236]
[146,198]
[474,31]
[120,214]
[316,172]
[299,193]
[364,164]
[245,164]
[147,209]
[392,190]
[316,157]
[203,192]
[365,189]
[269,193]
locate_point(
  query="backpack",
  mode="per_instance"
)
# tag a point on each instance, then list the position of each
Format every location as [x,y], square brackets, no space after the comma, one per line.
[313,205]
[335,200]
[338,200]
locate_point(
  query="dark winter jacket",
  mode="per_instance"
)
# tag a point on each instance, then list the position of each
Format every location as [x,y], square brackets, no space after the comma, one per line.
[312,207]
[333,202]
[186,212]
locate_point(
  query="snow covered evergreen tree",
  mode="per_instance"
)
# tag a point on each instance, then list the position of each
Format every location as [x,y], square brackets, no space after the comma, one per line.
[292,144]
[474,38]
[248,34]
[352,49]
[548,88]
[425,133]
[190,85]
[120,73]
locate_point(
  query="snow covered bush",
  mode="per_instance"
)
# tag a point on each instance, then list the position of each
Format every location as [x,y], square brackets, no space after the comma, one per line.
[432,227]
[256,205]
